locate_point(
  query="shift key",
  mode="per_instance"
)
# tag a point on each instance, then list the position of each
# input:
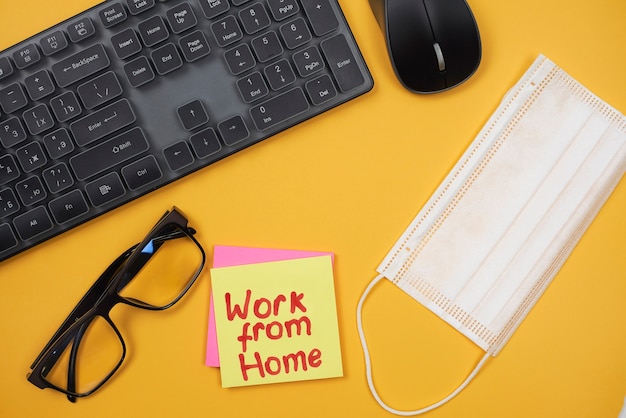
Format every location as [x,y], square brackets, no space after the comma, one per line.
[80,65]
[109,153]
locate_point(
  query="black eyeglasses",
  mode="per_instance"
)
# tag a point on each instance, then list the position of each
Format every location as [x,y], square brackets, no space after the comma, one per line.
[155,274]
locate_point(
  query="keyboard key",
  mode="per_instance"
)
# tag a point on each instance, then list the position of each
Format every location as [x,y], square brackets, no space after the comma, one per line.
[11,132]
[233,130]
[138,72]
[252,87]
[112,15]
[153,31]
[26,56]
[8,203]
[100,90]
[105,189]
[139,6]
[178,156]
[205,143]
[142,172]
[321,16]
[192,115]
[6,68]
[7,238]
[68,207]
[80,65]
[39,85]
[342,63]
[12,98]
[181,18]
[194,46]
[321,90]
[31,191]
[38,119]
[8,169]
[254,18]
[103,122]
[282,9]
[58,178]
[65,106]
[126,43]
[53,43]
[239,59]
[58,143]
[279,74]
[33,223]
[214,8]
[267,46]
[227,31]
[81,30]
[279,109]
[109,153]
[31,156]
[295,33]
[308,61]
[166,59]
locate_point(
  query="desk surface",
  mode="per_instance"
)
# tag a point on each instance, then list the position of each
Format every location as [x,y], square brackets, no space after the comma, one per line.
[350,182]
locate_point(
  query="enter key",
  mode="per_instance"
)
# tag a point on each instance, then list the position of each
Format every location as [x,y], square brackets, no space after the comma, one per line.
[103,122]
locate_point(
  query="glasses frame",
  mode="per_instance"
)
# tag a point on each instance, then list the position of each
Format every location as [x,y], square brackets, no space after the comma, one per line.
[100,300]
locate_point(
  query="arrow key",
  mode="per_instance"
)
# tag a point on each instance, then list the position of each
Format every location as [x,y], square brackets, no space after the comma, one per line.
[178,156]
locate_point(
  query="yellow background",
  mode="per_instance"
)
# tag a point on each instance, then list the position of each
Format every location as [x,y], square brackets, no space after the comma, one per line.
[350,182]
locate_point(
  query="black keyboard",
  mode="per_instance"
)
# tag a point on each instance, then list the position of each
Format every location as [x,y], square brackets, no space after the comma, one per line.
[133,94]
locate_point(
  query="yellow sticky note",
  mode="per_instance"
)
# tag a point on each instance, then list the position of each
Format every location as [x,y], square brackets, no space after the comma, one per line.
[277,322]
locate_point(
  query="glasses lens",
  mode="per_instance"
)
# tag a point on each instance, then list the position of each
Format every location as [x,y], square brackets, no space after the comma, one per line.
[89,360]
[164,269]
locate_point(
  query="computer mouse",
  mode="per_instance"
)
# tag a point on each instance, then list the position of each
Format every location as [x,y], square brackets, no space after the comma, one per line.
[433,45]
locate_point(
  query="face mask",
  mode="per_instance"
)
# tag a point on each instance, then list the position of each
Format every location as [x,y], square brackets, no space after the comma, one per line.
[489,241]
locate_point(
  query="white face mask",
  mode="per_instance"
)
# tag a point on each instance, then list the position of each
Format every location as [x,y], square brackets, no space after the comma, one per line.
[489,241]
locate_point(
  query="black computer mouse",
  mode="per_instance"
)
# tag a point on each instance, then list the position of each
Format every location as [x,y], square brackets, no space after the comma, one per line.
[434,45]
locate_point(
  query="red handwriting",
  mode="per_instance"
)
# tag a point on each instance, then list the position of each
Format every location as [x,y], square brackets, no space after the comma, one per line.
[274,365]
[263,307]
[274,330]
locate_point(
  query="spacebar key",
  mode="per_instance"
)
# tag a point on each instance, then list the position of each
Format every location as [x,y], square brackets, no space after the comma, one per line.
[109,153]
[280,108]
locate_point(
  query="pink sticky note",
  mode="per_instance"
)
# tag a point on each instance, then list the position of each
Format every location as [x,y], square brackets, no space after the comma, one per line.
[227,256]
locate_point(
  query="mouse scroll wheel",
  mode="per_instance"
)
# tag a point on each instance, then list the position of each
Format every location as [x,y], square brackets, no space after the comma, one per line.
[440,61]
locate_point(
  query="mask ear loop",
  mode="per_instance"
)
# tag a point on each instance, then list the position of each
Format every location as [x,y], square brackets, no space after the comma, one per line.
[368,364]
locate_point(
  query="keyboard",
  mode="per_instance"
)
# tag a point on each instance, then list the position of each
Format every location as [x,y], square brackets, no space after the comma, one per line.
[131,95]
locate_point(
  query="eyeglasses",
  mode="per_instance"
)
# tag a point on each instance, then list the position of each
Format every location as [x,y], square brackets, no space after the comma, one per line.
[88,348]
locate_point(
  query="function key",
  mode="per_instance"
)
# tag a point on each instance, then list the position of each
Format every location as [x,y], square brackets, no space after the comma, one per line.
[321,16]
[213,8]
[139,6]
[53,43]
[26,56]
[81,29]
[68,207]
[6,69]
[112,15]
[181,18]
